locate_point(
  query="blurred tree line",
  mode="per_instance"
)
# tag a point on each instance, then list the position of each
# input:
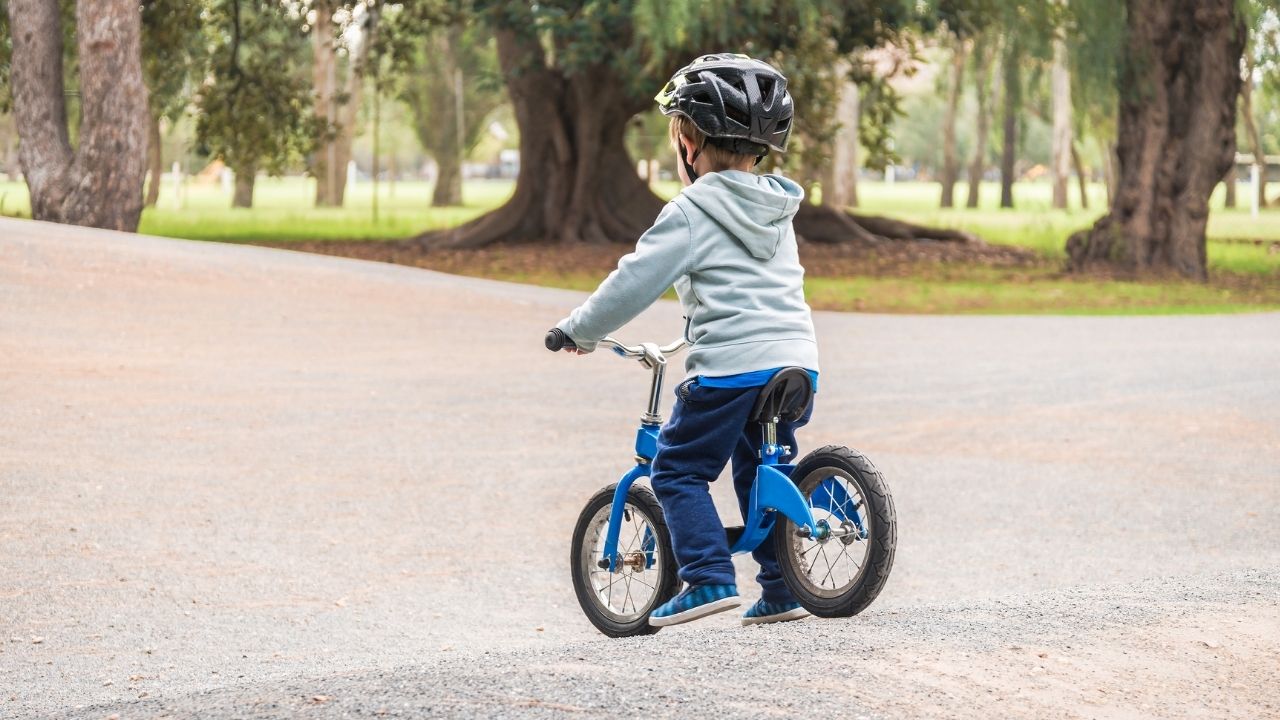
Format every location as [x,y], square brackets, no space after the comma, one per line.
[270,85]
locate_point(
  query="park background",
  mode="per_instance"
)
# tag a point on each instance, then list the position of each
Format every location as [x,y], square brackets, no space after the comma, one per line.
[376,129]
[238,481]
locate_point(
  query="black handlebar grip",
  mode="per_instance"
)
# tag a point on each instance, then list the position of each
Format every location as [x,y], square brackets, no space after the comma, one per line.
[556,340]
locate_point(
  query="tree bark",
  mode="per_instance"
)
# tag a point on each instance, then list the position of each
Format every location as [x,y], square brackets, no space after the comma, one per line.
[982,76]
[245,179]
[1012,101]
[1080,178]
[1061,145]
[155,161]
[448,149]
[448,189]
[324,164]
[1109,169]
[1179,81]
[1229,183]
[99,183]
[950,164]
[842,189]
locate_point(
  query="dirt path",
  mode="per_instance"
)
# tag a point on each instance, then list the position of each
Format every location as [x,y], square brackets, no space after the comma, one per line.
[261,474]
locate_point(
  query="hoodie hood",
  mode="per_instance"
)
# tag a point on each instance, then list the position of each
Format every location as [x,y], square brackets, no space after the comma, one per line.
[754,209]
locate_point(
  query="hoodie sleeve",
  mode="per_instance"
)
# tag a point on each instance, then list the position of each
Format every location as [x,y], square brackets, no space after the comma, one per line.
[660,258]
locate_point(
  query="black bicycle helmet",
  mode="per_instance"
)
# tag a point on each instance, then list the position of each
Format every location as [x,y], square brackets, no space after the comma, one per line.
[740,104]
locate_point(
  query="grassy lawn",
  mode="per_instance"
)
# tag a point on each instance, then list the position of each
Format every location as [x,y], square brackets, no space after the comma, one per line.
[1244,252]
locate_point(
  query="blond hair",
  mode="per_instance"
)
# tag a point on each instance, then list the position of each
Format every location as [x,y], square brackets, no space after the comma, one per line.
[719,158]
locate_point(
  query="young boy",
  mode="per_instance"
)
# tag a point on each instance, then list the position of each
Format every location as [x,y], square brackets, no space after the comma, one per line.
[727,245]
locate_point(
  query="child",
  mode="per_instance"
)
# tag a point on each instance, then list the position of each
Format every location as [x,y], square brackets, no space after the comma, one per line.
[727,245]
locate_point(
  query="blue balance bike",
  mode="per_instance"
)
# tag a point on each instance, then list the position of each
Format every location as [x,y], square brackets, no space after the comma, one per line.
[830,516]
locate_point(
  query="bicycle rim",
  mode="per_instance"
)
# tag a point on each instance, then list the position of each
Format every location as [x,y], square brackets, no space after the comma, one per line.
[632,590]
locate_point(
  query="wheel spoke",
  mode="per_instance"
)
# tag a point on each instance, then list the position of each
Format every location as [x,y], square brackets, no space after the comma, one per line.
[830,568]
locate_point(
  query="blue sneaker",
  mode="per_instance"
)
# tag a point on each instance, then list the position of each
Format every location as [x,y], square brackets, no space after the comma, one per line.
[696,601]
[763,612]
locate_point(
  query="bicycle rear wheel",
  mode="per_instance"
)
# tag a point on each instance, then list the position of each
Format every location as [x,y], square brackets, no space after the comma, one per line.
[842,573]
[618,602]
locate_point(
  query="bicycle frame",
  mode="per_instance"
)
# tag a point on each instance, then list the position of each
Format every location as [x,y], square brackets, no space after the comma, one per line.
[772,492]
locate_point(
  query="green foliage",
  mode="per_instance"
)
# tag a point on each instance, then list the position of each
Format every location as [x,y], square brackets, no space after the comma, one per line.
[424,46]
[254,110]
[174,53]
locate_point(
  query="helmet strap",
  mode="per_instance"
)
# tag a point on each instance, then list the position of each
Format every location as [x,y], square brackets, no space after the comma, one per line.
[688,164]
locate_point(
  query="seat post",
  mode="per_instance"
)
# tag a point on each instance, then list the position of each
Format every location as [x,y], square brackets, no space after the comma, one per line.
[771,453]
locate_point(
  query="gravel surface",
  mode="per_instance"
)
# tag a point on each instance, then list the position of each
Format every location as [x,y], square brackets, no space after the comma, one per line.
[245,482]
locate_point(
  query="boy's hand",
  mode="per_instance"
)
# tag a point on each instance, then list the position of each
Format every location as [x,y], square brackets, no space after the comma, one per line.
[574,351]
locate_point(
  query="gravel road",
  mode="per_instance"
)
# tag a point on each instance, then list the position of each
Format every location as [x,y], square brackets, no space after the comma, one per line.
[241,482]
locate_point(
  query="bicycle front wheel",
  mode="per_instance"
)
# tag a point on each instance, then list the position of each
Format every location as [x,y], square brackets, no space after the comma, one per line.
[842,572]
[618,601]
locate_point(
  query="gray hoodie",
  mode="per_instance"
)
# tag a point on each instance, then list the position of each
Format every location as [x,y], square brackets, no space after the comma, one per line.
[727,245]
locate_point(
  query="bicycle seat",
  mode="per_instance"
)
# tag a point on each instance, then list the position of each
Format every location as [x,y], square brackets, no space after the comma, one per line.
[787,396]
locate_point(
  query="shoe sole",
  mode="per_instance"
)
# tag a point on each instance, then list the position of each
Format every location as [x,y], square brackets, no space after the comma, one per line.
[792,614]
[697,613]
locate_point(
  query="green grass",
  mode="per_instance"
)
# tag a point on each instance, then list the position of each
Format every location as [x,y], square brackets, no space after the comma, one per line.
[1242,249]
[1034,295]
[283,211]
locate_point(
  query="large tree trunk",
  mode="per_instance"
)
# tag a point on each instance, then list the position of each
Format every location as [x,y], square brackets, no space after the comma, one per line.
[155,160]
[245,179]
[1178,86]
[841,191]
[576,181]
[448,189]
[99,183]
[1012,103]
[1061,145]
[982,76]
[950,164]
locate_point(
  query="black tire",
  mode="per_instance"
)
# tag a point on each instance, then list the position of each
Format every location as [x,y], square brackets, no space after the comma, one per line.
[880,521]
[583,559]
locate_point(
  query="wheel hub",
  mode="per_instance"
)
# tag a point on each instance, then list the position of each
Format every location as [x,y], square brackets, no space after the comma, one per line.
[636,561]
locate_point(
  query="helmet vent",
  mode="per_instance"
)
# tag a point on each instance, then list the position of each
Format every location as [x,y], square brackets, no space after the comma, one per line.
[737,115]
[766,89]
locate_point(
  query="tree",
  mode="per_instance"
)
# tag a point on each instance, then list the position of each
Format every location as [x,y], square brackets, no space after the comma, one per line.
[983,55]
[254,110]
[173,60]
[950,163]
[336,111]
[1094,39]
[1060,80]
[577,71]
[840,186]
[1261,51]
[1178,83]
[1026,26]
[445,66]
[98,182]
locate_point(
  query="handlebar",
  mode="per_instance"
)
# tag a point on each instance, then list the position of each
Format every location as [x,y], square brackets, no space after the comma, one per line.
[557,340]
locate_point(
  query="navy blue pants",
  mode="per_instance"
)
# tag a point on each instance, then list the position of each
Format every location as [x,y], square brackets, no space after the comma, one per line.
[709,427]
